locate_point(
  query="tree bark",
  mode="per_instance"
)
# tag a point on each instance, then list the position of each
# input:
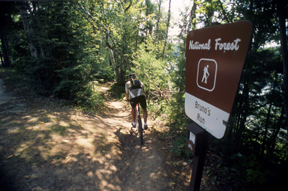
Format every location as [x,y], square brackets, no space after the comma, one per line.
[210,14]
[124,48]
[4,46]
[167,30]
[123,40]
[4,8]
[281,14]
[275,133]
[1,59]
[113,64]
[224,12]
[192,16]
[27,28]
[243,116]
[158,20]
[266,130]
[267,122]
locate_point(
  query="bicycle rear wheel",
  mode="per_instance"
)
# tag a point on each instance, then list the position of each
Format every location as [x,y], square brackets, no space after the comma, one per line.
[140,130]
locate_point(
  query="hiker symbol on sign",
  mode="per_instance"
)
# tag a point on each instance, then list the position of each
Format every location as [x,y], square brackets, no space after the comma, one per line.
[206,74]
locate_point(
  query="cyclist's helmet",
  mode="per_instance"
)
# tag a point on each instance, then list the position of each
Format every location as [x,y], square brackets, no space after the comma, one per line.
[132,76]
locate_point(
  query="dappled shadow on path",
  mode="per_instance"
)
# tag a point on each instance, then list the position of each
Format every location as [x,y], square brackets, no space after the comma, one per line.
[57,151]
[44,146]
[143,168]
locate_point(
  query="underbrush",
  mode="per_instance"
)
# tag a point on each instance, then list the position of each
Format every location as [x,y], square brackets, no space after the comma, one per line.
[225,168]
[117,90]
[14,79]
[88,99]
[176,120]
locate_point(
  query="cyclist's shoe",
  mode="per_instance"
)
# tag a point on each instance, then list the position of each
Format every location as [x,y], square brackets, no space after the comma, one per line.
[134,125]
[145,127]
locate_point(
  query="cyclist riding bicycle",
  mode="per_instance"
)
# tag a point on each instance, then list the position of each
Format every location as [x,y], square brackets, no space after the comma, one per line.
[135,94]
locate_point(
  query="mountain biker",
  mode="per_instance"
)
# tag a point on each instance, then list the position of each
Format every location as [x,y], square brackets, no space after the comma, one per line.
[135,94]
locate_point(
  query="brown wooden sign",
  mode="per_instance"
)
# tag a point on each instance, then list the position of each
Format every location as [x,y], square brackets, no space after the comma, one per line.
[214,61]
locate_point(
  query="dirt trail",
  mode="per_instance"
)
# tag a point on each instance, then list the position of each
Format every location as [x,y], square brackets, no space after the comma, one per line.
[46,146]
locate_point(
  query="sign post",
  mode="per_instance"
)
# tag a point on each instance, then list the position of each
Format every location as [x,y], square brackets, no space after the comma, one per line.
[197,138]
[215,58]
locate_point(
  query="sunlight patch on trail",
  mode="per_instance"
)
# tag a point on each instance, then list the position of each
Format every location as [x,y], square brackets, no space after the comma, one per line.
[78,151]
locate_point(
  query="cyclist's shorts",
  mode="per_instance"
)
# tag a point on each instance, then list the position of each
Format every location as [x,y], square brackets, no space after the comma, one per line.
[141,99]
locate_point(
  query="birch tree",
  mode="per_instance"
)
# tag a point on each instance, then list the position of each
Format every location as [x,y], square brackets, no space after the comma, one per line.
[24,8]
[167,30]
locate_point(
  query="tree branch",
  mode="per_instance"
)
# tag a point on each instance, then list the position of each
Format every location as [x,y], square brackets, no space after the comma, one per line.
[126,9]
[224,11]
[104,29]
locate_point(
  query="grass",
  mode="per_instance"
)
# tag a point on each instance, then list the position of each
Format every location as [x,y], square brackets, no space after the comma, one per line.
[61,130]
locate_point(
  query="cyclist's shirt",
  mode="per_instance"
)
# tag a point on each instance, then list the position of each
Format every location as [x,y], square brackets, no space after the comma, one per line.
[134,92]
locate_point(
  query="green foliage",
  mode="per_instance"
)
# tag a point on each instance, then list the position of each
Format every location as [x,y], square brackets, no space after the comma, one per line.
[15,79]
[149,69]
[179,148]
[117,91]
[255,172]
[67,57]
[105,72]
[90,99]
[206,10]
[71,52]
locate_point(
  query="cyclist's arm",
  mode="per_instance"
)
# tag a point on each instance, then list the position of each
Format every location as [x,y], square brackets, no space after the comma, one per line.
[127,97]
[142,87]
[127,92]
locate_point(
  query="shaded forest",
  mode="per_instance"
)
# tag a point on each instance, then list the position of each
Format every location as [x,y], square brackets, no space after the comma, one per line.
[62,48]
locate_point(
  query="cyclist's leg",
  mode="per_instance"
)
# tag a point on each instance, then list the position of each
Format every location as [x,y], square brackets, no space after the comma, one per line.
[133,113]
[133,110]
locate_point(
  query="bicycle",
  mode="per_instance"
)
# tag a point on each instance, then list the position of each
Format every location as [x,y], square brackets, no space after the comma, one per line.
[139,125]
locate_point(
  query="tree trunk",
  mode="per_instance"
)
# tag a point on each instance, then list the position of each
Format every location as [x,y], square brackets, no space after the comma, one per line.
[27,28]
[224,12]
[193,16]
[281,14]
[40,30]
[275,133]
[137,35]
[4,46]
[267,121]
[123,40]
[114,64]
[243,115]
[124,50]
[210,14]
[5,8]
[124,44]
[266,130]
[158,20]
[1,59]
[239,114]
[168,24]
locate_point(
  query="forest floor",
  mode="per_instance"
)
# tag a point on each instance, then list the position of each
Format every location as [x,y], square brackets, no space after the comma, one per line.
[45,145]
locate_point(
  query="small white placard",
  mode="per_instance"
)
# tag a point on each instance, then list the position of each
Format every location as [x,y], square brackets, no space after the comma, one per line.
[192,138]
